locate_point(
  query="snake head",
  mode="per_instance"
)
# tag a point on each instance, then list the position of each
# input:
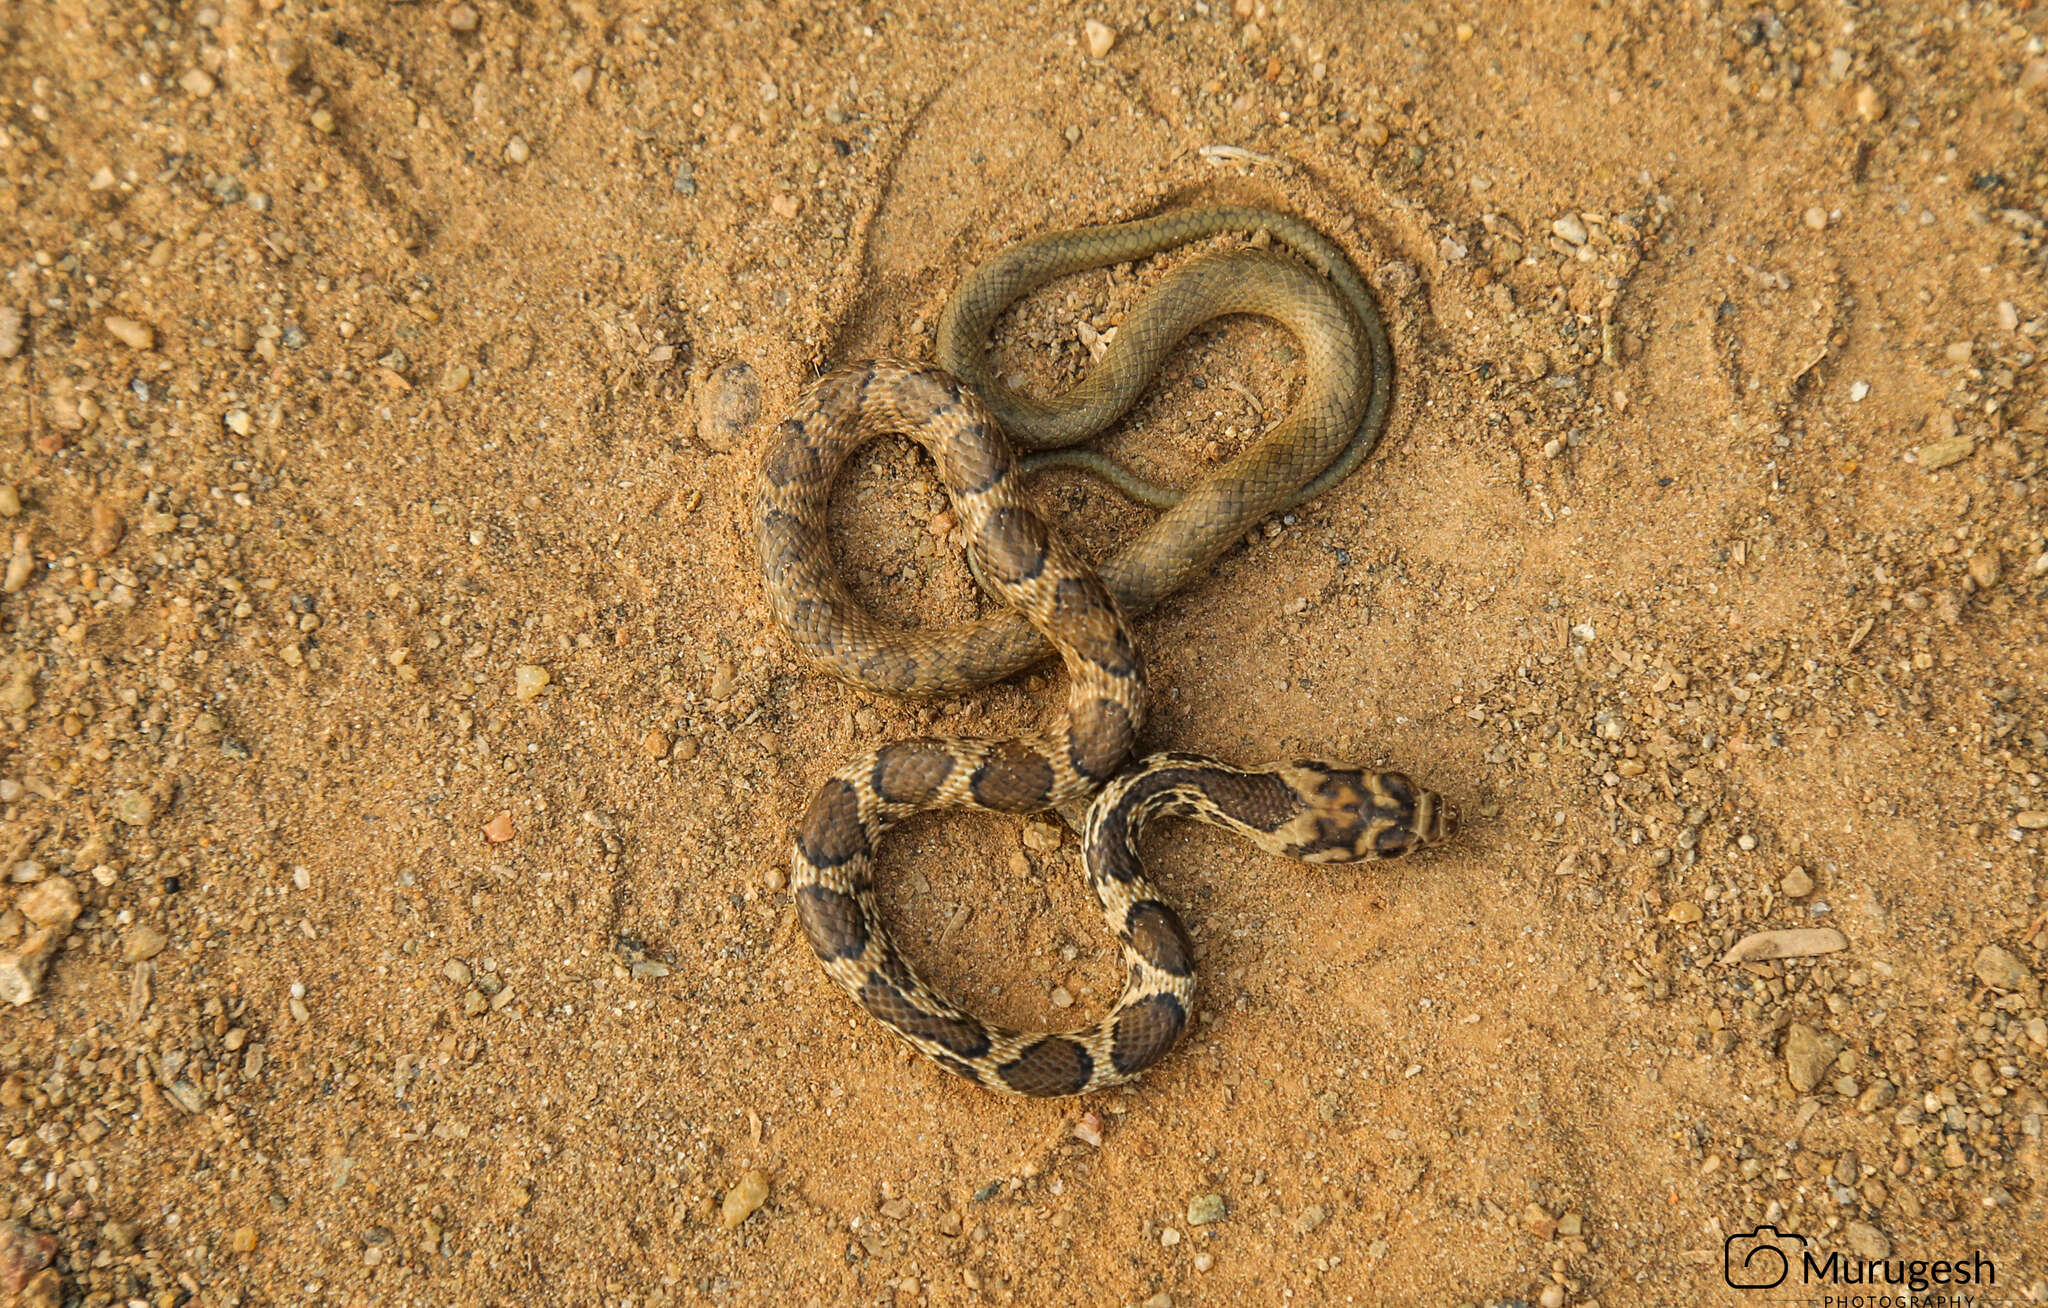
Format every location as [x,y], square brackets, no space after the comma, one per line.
[1350,815]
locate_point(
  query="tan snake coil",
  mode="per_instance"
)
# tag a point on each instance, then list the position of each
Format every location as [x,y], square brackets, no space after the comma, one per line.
[1312,811]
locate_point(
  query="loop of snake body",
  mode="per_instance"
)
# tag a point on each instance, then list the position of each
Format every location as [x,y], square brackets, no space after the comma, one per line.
[1308,810]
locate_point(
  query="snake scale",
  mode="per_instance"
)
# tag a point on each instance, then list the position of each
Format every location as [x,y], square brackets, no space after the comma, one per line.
[1055,601]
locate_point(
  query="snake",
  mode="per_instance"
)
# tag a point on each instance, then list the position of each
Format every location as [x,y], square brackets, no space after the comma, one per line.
[984,437]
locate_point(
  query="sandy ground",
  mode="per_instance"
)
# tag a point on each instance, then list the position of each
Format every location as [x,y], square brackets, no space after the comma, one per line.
[354,357]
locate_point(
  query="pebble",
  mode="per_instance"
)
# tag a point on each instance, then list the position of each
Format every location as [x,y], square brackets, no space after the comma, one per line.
[20,565]
[244,1240]
[108,527]
[143,943]
[655,744]
[196,82]
[1807,1059]
[24,1252]
[288,56]
[51,903]
[458,972]
[23,966]
[1797,884]
[1796,942]
[517,151]
[1100,38]
[135,808]
[720,686]
[1088,1129]
[773,877]
[529,680]
[746,1195]
[463,18]
[1878,1094]
[786,205]
[1311,1217]
[1552,1297]
[1569,228]
[1985,569]
[11,335]
[135,335]
[499,829]
[455,377]
[1867,1241]
[727,405]
[1041,837]
[1685,912]
[1060,997]
[582,79]
[1537,1221]
[2031,819]
[1204,1261]
[1870,103]
[2000,970]
[1816,218]
[1206,1208]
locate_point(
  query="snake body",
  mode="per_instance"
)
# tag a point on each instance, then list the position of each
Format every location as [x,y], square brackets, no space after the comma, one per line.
[1312,811]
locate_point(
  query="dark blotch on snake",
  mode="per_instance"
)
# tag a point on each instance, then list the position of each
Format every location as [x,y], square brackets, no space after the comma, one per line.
[1099,739]
[923,394]
[786,542]
[958,1068]
[1144,1032]
[832,921]
[792,459]
[1053,1066]
[889,669]
[1112,852]
[1260,800]
[1087,620]
[1013,546]
[1013,779]
[977,460]
[831,833]
[911,771]
[964,1037]
[1397,785]
[1159,938]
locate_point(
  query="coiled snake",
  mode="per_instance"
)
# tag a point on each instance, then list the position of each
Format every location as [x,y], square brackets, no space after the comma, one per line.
[1056,601]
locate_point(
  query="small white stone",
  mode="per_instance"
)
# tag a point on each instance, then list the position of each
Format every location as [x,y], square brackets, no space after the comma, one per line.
[1857,390]
[1569,228]
[1100,38]
[197,81]
[517,151]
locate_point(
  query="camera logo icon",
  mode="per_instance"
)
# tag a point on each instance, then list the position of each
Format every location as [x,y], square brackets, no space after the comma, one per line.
[1760,1259]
